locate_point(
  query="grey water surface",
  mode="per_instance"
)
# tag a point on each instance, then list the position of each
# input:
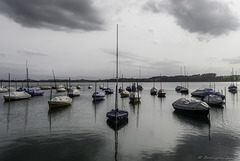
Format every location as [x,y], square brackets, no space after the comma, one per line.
[30,132]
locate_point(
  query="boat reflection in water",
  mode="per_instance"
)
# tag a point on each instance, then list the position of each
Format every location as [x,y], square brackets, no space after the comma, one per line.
[116,127]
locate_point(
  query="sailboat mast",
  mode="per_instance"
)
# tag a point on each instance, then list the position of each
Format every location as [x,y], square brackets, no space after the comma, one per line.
[160,81]
[54,78]
[116,98]
[122,81]
[27,75]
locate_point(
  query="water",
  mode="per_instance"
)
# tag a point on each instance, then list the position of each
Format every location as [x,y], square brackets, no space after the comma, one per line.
[28,131]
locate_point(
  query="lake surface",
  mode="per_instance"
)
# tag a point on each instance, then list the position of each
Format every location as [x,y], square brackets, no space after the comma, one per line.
[30,132]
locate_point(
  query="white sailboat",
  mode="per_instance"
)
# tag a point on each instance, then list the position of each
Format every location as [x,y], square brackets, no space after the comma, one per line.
[13,96]
[134,95]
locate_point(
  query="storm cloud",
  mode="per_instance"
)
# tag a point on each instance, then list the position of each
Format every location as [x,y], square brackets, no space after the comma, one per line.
[54,14]
[204,17]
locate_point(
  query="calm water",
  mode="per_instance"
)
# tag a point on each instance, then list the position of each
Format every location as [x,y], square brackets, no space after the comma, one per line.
[29,132]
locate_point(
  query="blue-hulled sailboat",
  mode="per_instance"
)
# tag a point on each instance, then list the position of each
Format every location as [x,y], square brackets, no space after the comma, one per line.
[115,115]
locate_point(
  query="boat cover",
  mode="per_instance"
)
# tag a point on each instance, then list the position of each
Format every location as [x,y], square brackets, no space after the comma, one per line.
[17,95]
[31,91]
[121,114]
[213,99]
[61,100]
[134,95]
[190,105]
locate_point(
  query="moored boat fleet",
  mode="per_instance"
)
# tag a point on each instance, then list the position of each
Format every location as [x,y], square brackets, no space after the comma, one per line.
[196,107]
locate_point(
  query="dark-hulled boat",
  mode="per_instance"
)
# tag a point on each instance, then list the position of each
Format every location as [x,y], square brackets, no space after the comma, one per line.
[201,92]
[213,99]
[153,91]
[161,93]
[194,107]
[109,91]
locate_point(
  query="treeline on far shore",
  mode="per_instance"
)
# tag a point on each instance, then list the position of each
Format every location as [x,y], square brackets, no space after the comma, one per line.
[207,77]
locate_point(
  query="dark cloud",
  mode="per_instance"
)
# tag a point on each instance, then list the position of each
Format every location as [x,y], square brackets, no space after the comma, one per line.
[54,14]
[235,60]
[31,53]
[205,17]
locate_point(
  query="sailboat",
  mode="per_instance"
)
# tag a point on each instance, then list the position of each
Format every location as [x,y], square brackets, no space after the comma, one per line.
[161,92]
[115,115]
[121,88]
[184,89]
[123,92]
[31,91]
[232,88]
[2,90]
[13,96]
[98,95]
[153,90]
[178,88]
[59,101]
[134,95]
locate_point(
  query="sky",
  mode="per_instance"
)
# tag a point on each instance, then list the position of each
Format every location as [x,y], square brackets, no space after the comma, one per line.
[77,38]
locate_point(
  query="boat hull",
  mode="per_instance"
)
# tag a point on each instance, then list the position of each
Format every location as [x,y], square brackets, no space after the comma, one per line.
[117,116]
[54,105]
[60,101]
[195,112]
[14,96]
[193,107]
[6,99]
[161,94]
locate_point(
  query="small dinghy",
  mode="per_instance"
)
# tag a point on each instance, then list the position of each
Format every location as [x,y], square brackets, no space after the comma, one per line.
[213,99]
[13,96]
[60,101]
[153,91]
[73,92]
[195,107]
[98,96]
[31,91]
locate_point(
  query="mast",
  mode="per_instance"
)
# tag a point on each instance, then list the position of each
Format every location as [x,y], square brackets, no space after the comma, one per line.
[122,81]
[9,86]
[27,74]
[54,78]
[69,84]
[160,81]
[116,96]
